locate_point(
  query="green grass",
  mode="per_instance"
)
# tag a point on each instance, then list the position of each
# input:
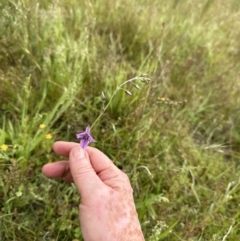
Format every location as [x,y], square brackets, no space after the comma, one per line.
[182,154]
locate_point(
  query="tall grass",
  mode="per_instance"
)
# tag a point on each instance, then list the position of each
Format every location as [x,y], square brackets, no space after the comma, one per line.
[177,138]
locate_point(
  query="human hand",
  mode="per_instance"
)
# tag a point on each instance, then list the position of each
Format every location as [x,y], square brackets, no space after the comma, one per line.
[107,211]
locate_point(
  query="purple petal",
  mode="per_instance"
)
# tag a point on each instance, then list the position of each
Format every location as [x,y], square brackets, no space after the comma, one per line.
[91,139]
[88,130]
[84,143]
[80,135]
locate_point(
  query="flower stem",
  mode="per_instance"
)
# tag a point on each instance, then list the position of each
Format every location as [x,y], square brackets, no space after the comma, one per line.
[114,93]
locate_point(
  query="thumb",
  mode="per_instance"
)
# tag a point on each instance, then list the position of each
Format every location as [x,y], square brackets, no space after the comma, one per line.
[84,176]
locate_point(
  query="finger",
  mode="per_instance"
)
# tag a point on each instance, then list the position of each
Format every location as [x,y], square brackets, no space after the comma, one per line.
[63,148]
[57,170]
[84,176]
[98,159]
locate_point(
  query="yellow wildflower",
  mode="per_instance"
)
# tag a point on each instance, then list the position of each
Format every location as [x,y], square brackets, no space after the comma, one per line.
[48,136]
[162,99]
[42,126]
[229,197]
[4,147]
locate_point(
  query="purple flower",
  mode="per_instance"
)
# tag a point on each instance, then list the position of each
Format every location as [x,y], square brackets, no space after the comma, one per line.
[85,137]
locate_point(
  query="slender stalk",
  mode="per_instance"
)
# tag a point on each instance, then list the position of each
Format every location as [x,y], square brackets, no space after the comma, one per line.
[111,98]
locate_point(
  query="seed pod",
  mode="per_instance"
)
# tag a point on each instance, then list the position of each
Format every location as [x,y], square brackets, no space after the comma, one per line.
[103,96]
[137,86]
[128,92]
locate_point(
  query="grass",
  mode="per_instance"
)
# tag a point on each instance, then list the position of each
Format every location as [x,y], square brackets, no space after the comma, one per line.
[178,138]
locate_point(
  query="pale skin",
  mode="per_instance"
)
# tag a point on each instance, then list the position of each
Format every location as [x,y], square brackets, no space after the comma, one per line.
[107,211]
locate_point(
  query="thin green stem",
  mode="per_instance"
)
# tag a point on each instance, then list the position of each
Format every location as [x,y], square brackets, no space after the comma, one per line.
[114,93]
[104,109]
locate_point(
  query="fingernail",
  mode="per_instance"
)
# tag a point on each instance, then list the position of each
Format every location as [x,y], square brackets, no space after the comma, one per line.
[78,153]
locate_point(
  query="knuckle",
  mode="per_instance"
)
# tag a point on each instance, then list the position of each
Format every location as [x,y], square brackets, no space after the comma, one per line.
[125,177]
[126,182]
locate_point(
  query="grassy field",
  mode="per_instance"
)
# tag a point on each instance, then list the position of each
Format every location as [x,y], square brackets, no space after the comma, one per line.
[177,137]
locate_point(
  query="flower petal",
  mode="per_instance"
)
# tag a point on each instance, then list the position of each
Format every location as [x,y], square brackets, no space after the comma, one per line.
[81,135]
[88,130]
[84,143]
[91,139]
